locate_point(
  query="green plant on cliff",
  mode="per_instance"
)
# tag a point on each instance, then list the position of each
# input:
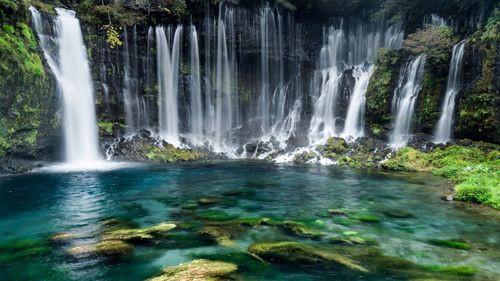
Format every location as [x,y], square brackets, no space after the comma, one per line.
[475,172]
[379,90]
[23,83]
[478,105]
[436,43]
[170,154]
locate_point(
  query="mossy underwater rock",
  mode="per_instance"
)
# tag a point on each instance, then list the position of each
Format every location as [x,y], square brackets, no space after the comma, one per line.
[455,244]
[223,234]
[198,270]
[140,234]
[22,248]
[103,248]
[296,252]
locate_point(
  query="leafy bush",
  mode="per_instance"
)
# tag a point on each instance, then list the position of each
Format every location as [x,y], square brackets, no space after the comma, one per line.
[476,172]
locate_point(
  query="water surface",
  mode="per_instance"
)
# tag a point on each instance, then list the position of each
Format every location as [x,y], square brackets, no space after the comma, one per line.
[35,206]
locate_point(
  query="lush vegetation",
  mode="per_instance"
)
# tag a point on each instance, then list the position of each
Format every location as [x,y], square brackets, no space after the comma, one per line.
[475,171]
[478,107]
[24,88]
[380,90]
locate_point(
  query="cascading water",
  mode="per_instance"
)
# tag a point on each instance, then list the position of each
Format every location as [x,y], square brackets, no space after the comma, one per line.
[195,113]
[71,69]
[223,89]
[347,48]
[445,124]
[168,81]
[354,122]
[405,95]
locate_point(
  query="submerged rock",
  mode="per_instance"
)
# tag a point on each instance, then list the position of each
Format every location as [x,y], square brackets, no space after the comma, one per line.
[223,235]
[62,237]
[300,229]
[398,214]
[22,248]
[105,248]
[140,234]
[300,253]
[198,270]
[456,244]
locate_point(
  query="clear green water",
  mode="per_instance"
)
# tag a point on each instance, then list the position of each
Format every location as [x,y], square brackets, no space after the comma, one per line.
[35,206]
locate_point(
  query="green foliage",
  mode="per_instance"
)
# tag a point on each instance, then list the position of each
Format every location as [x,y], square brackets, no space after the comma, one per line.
[170,154]
[112,36]
[23,83]
[407,160]
[450,244]
[453,270]
[476,172]
[478,106]
[105,128]
[436,42]
[379,89]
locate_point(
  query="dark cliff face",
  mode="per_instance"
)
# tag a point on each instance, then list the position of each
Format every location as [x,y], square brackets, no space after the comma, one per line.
[30,107]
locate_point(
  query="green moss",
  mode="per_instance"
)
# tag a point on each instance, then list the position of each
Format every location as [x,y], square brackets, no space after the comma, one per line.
[26,99]
[407,160]
[478,111]
[140,234]
[170,154]
[450,244]
[105,128]
[22,248]
[104,248]
[453,270]
[300,253]
[202,270]
[379,91]
[476,172]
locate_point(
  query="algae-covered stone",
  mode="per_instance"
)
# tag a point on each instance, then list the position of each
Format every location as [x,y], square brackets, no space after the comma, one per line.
[62,237]
[296,252]
[452,270]
[208,200]
[22,248]
[198,270]
[105,248]
[456,244]
[138,234]
[398,214]
[223,235]
[302,230]
[366,218]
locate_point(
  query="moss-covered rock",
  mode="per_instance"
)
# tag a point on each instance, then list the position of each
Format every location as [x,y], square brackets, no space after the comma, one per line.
[455,244]
[478,111]
[380,90]
[199,270]
[19,249]
[300,253]
[452,270]
[475,169]
[140,234]
[104,248]
[27,103]
[222,234]
[408,160]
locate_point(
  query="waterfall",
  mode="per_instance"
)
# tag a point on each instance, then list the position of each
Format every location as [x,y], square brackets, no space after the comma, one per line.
[352,48]
[129,93]
[223,88]
[444,126]
[405,95]
[168,76]
[72,72]
[354,122]
[196,113]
